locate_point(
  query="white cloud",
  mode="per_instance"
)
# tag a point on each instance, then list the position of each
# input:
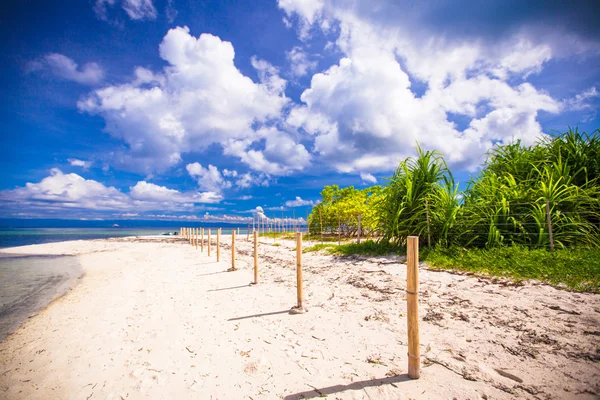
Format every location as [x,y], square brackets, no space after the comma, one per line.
[247,197]
[65,68]
[580,101]
[61,192]
[365,115]
[135,9]
[368,178]
[200,99]
[80,163]
[208,178]
[298,202]
[280,154]
[300,64]
[170,11]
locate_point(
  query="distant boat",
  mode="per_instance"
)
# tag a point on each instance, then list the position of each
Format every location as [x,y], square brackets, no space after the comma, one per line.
[115,225]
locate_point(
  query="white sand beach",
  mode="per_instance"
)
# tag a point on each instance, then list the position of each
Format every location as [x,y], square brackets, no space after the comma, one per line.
[158,319]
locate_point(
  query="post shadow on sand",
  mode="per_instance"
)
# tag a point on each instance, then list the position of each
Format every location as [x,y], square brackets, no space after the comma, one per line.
[229,288]
[212,273]
[260,315]
[316,392]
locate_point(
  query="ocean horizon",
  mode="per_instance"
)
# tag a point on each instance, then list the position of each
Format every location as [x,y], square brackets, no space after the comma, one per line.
[24,232]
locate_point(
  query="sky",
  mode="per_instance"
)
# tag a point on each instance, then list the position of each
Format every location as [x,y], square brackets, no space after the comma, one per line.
[212,110]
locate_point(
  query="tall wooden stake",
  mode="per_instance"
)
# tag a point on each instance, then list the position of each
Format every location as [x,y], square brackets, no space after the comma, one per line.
[248,232]
[208,242]
[255,259]
[321,222]
[339,230]
[232,251]
[196,238]
[549,225]
[299,308]
[358,239]
[218,247]
[412,299]
[201,239]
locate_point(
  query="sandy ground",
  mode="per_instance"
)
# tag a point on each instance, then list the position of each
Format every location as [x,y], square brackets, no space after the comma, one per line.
[160,319]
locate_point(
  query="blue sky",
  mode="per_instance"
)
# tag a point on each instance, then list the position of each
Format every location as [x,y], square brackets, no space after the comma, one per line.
[209,109]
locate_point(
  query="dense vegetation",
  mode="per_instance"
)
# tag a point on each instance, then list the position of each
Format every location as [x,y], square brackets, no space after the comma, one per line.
[520,192]
[499,225]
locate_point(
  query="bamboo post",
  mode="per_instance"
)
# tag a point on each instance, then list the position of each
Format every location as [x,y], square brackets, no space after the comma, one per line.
[196,239]
[208,242]
[358,239]
[321,222]
[412,299]
[255,259]
[339,230]
[298,309]
[549,225]
[201,239]
[218,247]
[232,252]
[428,229]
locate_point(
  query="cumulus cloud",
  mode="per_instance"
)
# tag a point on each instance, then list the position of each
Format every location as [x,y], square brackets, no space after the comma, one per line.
[298,202]
[65,68]
[208,178]
[368,178]
[300,63]
[60,192]
[135,9]
[199,99]
[365,115]
[79,163]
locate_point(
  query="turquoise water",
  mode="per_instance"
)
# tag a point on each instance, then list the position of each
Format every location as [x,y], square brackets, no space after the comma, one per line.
[12,237]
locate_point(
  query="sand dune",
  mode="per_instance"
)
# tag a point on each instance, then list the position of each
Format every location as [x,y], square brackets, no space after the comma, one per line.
[157,318]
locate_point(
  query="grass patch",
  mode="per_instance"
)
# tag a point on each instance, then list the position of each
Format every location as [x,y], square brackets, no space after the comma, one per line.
[578,269]
[366,248]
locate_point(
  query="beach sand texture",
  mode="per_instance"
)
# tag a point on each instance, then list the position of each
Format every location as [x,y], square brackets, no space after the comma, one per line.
[157,318]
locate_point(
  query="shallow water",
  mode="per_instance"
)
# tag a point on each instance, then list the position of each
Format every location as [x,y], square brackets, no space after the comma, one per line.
[28,283]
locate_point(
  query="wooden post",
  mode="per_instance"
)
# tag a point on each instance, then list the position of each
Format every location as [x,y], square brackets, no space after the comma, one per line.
[412,299]
[196,239]
[321,222]
[218,247]
[201,239]
[255,259]
[248,232]
[339,230]
[358,239]
[428,229]
[232,252]
[549,225]
[238,231]
[298,309]
[208,242]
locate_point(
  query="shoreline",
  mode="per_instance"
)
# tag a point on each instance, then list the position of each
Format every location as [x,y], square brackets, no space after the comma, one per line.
[161,305]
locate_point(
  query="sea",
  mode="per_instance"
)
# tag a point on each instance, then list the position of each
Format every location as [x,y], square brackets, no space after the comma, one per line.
[28,283]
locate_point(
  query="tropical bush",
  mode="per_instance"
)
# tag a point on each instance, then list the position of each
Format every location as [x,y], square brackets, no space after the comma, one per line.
[519,194]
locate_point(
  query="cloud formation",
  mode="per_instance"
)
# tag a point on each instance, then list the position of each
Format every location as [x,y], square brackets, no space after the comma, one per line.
[365,114]
[60,192]
[135,9]
[65,68]
[298,202]
[199,99]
